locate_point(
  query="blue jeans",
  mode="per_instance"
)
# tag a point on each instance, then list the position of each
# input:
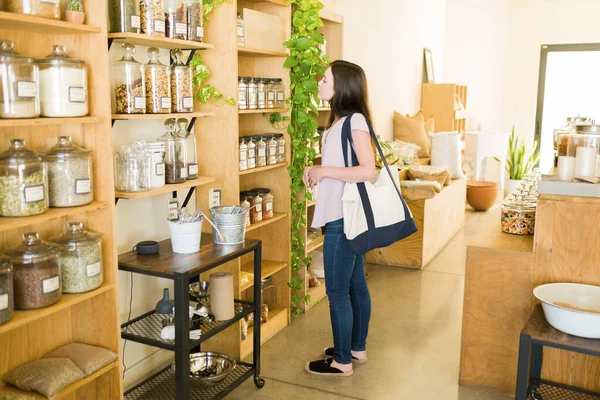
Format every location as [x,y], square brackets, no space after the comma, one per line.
[349,298]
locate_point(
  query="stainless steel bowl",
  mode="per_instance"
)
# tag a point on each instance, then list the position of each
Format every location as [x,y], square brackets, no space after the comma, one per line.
[199,290]
[210,368]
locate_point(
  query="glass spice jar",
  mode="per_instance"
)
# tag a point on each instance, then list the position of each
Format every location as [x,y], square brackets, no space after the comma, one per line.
[19,84]
[241,31]
[23,181]
[152,17]
[280,93]
[124,16]
[255,206]
[251,152]
[246,204]
[158,84]
[271,93]
[128,83]
[271,149]
[195,20]
[157,164]
[585,135]
[191,150]
[40,8]
[175,19]
[182,99]
[267,202]
[36,270]
[261,92]
[242,94]
[261,151]
[175,155]
[132,168]
[243,149]
[281,156]
[252,93]
[7,304]
[69,174]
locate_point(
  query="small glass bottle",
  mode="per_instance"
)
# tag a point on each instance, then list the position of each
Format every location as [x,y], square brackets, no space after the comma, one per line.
[252,93]
[175,154]
[267,202]
[152,17]
[242,93]
[132,168]
[271,149]
[158,84]
[176,19]
[243,155]
[261,151]
[251,152]
[157,166]
[182,99]
[281,156]
[280,93]
[191,150]
[246,204]
[261,92]
[128,83]
[271,93]
[195,20]
[241,31]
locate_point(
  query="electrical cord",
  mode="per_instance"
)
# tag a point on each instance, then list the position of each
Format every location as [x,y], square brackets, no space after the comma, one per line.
[127,327]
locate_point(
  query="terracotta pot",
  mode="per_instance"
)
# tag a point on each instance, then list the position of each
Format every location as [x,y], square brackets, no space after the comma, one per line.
[75,17]
[482,195]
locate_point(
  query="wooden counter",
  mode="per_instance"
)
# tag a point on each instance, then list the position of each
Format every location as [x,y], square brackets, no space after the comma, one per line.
[498,301]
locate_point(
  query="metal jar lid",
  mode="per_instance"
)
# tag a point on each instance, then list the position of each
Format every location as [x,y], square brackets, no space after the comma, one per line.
[519,204]
[587,129]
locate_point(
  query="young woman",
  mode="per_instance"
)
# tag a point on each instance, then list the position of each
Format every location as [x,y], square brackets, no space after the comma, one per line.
[344,85]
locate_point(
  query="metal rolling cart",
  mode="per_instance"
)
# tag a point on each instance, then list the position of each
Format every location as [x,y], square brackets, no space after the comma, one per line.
[146,329]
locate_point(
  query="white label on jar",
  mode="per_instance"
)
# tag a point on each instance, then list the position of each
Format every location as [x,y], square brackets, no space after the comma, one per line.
[160,169]
[281,149]
[242,96]
[76,94]
[3,302]
[262,152]
[243,155]
[184,172]
[136,22]
[159,26]
[200,31]
[280,96]
[139,103]
[26,89]
[258,208]
[271,96]
[93,269]
[240,31]
[180,28]
[269,206]
[243,165]
[50,285]
[34,193]
[192,169]
[83,186]
[251,163]
[50,1]
[165,102]
[261,97]
[188,102]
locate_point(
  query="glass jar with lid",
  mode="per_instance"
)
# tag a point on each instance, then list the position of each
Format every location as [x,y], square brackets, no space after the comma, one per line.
[23,181]
[36,270]
[246,204]
[242,93]
[518,216]
[241,30]
[124,16]
[156,150]
[243,149]
[280,91]
[191,150]
[152,17]
[271,93]
[80,258]
[175,19]
[561,135]
[252,93]
[271,149]
[261,92]
[195,20]
[585,135]
[175,154]
[182,95]
[128,83]
[19,84]
[132,168]
[267,202]
[280,139]
[268,293]
[40,8]
[251,152]
[7,305]
[158,84]
[63,85]
[255,206]
[261,151]
[69,174]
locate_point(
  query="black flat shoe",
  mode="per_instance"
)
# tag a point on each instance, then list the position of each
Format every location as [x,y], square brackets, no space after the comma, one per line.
[328,352]
[323,367]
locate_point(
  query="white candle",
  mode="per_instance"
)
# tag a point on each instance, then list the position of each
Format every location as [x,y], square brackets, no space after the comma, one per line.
[585,161]
[566,168]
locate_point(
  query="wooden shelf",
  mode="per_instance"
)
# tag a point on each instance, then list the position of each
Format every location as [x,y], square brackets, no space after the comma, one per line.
[278,320]
[30,23]
[329,15]
[264,110]
[246,51]
[158,41]
[10,123]
[21,318]
[261,169]
[268,268]
[122,117]
[276,217]
[311,203]
[316,293]
[10,223]
[315,244]
[166,189]
[278,2]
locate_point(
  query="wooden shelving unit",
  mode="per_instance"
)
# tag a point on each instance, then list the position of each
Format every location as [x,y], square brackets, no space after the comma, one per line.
[262,169]
[269,268]
[142,117]
[157,41]
[91,317]
[166,189]
[247,51]
[263,111]
[278,216]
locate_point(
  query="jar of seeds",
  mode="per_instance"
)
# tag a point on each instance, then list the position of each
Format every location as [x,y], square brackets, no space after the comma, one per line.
[252,93]
[242,94]
[182,99]
[195,20]
[243,155]
[152,17]
[124,16]
[7,304]
[19,84]
[251,152]
[176,19]
[36,271]
[261,92]
[271,93]
[80,259]
[271,149]
[175,154]
[23,181]
[69,174]
[281,157]
[128,83]
[261,151]
[158,84]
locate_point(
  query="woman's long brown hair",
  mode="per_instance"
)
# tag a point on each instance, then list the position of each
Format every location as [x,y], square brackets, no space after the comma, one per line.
[350,91]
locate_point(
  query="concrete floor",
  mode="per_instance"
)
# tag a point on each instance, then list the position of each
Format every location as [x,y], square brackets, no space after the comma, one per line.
[413,345]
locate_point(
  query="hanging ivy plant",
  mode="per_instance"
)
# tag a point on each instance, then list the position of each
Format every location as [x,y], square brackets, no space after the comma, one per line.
[305,62]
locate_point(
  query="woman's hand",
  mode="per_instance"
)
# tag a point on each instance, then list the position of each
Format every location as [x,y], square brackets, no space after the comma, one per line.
[312,176]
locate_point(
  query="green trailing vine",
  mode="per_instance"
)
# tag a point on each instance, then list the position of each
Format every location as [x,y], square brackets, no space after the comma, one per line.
[305,62]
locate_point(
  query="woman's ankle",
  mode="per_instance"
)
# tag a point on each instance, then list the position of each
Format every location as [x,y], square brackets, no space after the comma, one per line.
[341,367]
[361,355]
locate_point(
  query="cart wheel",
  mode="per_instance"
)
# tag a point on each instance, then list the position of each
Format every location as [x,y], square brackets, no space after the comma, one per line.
[259,382]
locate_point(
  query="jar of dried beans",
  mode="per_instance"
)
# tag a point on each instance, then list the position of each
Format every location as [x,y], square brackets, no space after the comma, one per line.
[37,280]
[195,20]
[152,17]
[176,19]
[128,84]
[182,99]
[158,84]
[7,304]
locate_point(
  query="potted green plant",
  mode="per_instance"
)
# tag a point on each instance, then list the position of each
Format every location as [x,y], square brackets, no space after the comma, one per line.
[74,12]
[519,161]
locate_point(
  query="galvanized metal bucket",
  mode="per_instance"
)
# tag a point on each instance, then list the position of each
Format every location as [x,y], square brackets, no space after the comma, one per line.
[231,221]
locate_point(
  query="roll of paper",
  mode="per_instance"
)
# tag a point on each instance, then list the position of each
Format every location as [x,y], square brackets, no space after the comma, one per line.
[221,295]
[585,161]
[566,168]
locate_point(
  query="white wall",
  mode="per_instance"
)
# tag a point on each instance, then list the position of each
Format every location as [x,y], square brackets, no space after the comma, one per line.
[386,38]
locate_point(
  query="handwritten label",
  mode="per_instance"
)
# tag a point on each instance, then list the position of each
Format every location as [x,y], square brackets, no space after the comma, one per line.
[34,193]
[83,186]
[188,102]
[139,103]
[180,28]
[184,172]
[136,22]
[160,169]
[192,169]
[26,89]
[93,269]
[159,26]
[50,285]
[165,102]
[200,31]
[3,301]
[77,94]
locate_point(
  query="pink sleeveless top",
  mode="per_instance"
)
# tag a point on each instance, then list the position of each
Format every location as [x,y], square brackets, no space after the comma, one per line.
[329,200]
